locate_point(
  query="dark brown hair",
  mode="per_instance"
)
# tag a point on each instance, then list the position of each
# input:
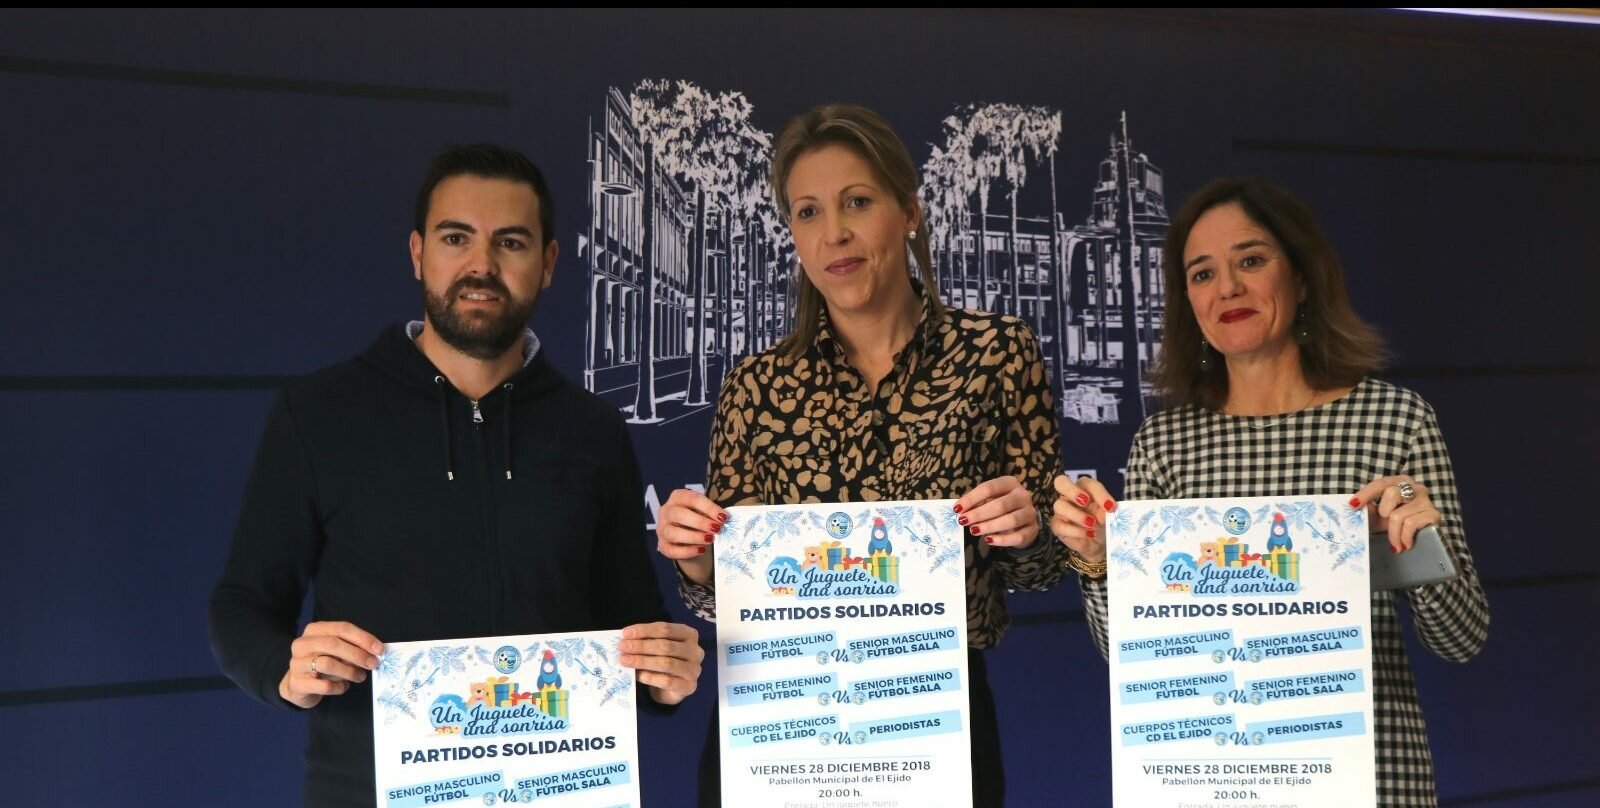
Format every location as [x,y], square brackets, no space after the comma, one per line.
[1341,349]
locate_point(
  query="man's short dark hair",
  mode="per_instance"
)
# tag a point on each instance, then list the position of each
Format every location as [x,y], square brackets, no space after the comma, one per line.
[493,162]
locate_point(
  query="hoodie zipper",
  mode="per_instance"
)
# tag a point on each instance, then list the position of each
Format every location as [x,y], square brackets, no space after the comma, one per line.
[490,524]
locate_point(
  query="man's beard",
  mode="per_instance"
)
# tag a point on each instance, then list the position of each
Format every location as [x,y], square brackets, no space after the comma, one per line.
[478,335]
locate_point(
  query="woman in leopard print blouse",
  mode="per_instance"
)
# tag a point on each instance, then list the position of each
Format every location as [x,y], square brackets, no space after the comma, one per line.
[881,393]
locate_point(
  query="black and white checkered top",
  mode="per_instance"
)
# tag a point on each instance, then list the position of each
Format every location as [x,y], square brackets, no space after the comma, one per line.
[1377,429]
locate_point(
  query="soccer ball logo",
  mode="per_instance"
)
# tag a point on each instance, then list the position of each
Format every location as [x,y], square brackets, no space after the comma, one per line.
[507,659]
[1236,521]
[838,525]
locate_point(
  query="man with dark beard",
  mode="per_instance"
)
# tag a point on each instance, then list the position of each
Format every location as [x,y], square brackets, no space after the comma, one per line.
[446,483]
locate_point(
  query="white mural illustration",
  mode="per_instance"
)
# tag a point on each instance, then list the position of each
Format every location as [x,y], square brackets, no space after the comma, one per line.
[689,262]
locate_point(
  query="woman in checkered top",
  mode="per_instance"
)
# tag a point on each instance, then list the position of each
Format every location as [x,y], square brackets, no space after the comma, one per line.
[1264,369]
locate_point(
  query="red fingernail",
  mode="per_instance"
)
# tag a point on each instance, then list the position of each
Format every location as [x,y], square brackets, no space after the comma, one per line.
[722,516]
[1088,521]
[1091,533]
[716,527]
[702,551]
[1355,502]
[957,507]
[988,539]
[975,530]
[962,520]
[1083,499]
[708,540]
[1110,506]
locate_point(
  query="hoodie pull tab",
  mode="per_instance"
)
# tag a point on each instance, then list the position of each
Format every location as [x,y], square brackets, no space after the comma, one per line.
[477,414]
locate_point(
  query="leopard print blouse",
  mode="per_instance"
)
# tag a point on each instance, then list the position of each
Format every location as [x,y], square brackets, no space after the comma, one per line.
[967,400]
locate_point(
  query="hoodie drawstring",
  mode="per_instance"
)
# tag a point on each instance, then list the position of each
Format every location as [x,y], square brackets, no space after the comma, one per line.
[507,388]
[444,420]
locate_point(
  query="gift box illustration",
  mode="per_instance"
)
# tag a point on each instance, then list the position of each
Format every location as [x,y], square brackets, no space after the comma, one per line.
[1284,564]
[1232,551]
[554,703]
[829,555]
[504,689]
[885,568]
[495,691]
[834,555]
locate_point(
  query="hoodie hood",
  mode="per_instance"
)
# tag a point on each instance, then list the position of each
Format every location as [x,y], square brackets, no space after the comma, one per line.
[396,354]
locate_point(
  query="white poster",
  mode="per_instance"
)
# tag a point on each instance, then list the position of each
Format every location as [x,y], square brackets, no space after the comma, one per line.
[842,656]
[1241,663]
[547,719]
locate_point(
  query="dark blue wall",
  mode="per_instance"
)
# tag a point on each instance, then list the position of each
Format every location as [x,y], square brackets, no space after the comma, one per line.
[196,205]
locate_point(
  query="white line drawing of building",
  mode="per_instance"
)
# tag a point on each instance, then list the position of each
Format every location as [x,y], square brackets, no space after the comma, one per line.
[1112,274]
[1073,285]
[687,260]
[689,263]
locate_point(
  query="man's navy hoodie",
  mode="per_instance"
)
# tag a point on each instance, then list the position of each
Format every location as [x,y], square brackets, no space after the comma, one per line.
[417,514]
